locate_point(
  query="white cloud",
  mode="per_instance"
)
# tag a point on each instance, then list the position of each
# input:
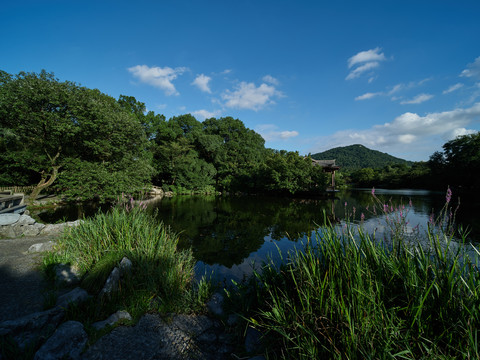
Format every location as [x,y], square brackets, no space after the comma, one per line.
[366,56]
[363,62]
[271,80]
[452,88]
[158,77]
[205,114]
[368,96]
[201,81]
[270,132]
[472,70]
[248,96]
[418,132]
[361,69]
[418,99]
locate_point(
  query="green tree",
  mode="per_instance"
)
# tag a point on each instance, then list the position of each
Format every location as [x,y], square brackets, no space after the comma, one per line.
[48,125]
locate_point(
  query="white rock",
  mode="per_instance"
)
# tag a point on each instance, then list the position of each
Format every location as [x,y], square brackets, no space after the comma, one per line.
[112,319]
[8,219]
[47,246]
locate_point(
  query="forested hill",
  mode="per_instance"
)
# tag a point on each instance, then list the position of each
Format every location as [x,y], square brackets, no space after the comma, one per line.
[358,156]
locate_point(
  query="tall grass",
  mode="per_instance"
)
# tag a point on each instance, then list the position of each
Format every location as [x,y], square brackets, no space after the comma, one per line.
[348,295]
[161,278]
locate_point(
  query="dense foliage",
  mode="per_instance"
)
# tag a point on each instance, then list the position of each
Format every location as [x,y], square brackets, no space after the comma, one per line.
[89,145]
[356,157]
[53,129]
[458,164]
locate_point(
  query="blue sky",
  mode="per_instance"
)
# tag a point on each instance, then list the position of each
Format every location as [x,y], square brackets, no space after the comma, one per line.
[402,77]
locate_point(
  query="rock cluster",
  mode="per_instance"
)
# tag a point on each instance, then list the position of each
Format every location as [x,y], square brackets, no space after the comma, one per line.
[155,336]
[16,225]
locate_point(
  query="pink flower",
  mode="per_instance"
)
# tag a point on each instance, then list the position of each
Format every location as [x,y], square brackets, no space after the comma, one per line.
[449,195]
[373,191]
[362,217]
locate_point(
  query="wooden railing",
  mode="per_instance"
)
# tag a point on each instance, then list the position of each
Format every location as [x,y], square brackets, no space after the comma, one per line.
[18,189]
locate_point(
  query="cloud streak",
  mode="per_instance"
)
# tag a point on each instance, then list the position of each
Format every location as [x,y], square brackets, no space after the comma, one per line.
[472,70]
[452,88]
[420,98]
[363,62]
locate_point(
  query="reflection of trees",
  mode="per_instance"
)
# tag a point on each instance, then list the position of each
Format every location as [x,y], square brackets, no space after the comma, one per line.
[227,230]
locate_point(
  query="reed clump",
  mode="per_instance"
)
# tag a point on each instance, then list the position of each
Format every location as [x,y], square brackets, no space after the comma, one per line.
[161,278]
[349,295]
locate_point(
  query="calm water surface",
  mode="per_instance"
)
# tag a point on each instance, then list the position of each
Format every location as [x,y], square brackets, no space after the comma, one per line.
[231,235]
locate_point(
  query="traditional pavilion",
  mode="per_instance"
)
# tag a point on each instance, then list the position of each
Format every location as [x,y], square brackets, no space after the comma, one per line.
[328,167]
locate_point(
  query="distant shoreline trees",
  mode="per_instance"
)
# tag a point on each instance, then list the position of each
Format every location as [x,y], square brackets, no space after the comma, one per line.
[88,145]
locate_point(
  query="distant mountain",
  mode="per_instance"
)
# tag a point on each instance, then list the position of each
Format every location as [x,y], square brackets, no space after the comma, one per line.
[358,156]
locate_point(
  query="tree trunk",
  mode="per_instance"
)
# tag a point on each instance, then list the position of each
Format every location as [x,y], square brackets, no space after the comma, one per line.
[44,183]
[47,179]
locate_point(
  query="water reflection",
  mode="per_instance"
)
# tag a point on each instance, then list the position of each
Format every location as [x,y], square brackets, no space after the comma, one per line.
[228,234]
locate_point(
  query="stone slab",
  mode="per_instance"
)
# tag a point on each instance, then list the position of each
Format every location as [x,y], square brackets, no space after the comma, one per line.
[8,219]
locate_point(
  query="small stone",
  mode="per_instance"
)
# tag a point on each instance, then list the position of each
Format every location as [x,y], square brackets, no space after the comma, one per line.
[232,319]
[68,341]
[47,246]
[125,266]
[215,305]
[77,295]
[112,319]
[112,282]
[66,275]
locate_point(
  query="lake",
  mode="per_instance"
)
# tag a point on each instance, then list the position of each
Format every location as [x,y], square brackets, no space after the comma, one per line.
[231,235]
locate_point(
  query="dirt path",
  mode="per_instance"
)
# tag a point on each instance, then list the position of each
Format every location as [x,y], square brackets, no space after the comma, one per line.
[21,284]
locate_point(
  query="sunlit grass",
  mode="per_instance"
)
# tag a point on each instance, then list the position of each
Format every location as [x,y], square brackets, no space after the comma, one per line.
[349,295]
[161,279]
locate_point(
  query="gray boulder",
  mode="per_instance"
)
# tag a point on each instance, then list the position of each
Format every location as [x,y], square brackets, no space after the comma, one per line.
[75,296]
[31,229]
[33,327]
[25,220]
[68,341]
[9,219]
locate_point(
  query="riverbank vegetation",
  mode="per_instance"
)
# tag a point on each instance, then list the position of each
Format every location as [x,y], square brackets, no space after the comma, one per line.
[161,277]
[352,295]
